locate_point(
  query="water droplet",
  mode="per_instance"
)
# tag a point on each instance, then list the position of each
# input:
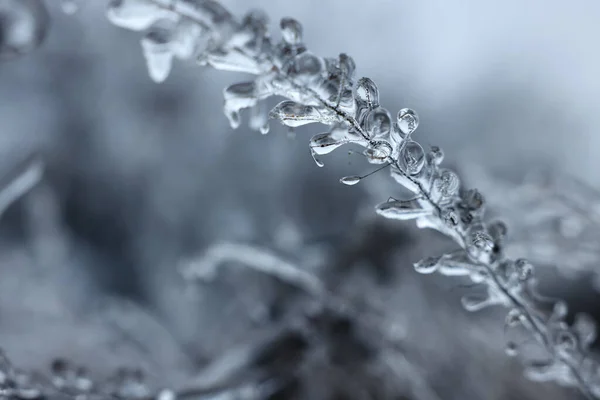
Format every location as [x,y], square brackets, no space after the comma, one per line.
[411,158]
[259,118]
[366,93]
[156,46]
[295,114]
[23,27]
[325,143]
[498,231]
[407,121]
[435,155]
[378,122]
[291,31]
[237,97]
[350,180]
[524,269]
[427,265]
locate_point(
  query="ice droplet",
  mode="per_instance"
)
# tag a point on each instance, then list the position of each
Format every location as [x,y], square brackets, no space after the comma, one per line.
[350,180]
[324,143]
[291,31]
[156,46]
[407,121]
[585,328]
[366,93]
[316,159]
[295,114]
[237,97]
[511,349]
[305,67]
[378,122]
[411,158]
[435,155]
[378,152]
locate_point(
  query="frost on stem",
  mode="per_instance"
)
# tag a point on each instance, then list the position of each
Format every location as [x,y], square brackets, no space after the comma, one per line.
[322,90]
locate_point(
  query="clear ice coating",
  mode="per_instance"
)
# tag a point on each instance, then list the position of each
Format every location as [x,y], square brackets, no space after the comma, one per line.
[402,209]
[350,180]
[295,114]
[291,31]
[136,15]
[366,94]
[411,158]
[407,120]
[445,186]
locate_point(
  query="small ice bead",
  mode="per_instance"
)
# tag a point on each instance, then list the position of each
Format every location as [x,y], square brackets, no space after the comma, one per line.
[291,31]
[480,245]
[186,39]
[473,200]
[350,180]
[378,122]
[294,114]
[407,121]
[134,14]
[411,158]
[427,265]
[23,27]
[156,46]
[435,155]
[378,152]
[306,67]
[524,269]
[366,93]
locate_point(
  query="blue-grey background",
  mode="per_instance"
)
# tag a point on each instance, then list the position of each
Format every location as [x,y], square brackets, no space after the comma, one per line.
[141,176]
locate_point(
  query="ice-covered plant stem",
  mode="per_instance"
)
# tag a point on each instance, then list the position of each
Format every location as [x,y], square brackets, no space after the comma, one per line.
[324,90]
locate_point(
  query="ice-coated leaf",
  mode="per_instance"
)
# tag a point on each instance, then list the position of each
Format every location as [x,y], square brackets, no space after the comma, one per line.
[378,122]
[435,156]
[427,265]
[325,143]
[305,68]
[135,14]
[402,210]
[295,114]
[445,186]
[585,329]
[476,302]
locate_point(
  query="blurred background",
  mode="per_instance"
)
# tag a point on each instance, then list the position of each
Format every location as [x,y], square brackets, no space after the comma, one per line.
[142,177]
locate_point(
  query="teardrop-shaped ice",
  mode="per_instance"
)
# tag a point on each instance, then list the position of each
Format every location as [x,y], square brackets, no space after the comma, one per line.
[524,269]
[237,97]
[402,210]
[135,14]
[511,349]
[156,45]
[366,93]
[291,31]
[316,158]
[411,158]
[325,143]
[350,180]
[259,118]
[295,114]
[378,122]
[407,121]
[23,27]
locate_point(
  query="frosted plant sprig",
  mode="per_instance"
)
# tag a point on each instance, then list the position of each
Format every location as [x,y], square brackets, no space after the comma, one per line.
[323,90]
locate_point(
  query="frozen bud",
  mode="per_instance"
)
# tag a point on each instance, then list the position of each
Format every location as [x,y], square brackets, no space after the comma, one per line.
[513,318]
[435,155]
[498,231]
[480,245]
[446,185]
[411,158]
[473,201]
[291,31]
[257,21]
[378,152]
[156,45]
[524,269]
[407,121]
[366,93]
[449,216]
[402,210]
[427,265]
[23,27]
[378,122]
